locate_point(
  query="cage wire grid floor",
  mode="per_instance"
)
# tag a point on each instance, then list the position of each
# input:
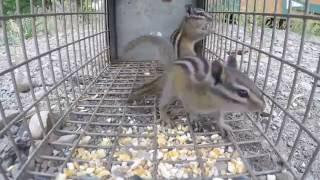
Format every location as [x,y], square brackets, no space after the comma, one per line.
[120,138]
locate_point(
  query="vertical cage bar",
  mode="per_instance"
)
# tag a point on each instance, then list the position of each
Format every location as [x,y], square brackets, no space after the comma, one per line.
[225,23]
[279,79]
[232,25]
[110,7]
[88,34]
[53,76]
[67,48]
[82,62]
[238,25]
[75,61]
[85,44]
[59,52]
[253,33]
[106,39]
[244,32]
[295,77]
[261,42]
[271,46]
[36,44]
[221,26]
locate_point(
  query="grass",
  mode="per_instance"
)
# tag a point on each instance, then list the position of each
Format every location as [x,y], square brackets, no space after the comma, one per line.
[296,25]
[12,25]
[13,30]
[312,28]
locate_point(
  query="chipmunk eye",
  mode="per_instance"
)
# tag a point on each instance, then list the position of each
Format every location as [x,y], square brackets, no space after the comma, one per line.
[243,93]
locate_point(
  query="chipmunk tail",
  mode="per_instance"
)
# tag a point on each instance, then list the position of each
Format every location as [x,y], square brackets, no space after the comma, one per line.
[153,87]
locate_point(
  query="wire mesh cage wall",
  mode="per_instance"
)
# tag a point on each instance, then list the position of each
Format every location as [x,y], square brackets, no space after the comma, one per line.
[283,61]
[51,51]
[55,67]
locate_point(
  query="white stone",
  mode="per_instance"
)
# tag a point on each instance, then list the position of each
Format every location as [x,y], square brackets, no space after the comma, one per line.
[23,84]
[35,126]
[66,138]
[159,155]
[85,140]
[271,177]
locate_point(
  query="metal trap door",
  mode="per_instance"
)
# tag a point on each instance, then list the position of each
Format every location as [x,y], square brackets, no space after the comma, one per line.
[137,18]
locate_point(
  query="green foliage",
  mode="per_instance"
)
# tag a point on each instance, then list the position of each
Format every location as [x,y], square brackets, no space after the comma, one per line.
[14,32]
[315,28]
[27,28]
[10,6]
[312,27]
[226,5]
[87,5]
[296,25]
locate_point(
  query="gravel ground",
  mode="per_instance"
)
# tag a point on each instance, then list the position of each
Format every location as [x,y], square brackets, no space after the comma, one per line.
[309,60]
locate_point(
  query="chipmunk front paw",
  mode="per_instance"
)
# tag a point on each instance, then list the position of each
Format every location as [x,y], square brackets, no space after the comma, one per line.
[224,129]
[165,120]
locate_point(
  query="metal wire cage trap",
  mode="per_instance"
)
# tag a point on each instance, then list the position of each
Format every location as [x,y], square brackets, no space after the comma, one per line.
[59,66]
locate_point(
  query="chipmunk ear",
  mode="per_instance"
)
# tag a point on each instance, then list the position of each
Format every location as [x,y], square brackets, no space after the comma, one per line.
[232,61]
[189,9]
[217,71]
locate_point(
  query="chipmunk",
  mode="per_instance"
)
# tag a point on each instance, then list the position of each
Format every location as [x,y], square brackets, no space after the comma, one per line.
[194,27]
[209,87]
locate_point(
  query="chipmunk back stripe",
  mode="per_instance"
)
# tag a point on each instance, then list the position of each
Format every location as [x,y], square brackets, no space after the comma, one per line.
[177,44]
[174,36]
[222,93]
[197,17]
[194,64]
[195,67]
[223,89]
[187,65]
[205,65]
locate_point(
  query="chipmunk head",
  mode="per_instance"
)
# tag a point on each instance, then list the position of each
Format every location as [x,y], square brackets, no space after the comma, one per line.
[239,92]
[197,23]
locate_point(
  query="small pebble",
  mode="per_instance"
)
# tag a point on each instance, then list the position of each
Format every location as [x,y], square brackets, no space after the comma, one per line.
[284,176]
[66,138]
[10,115]
[22,81]
[271,177]
[109,120]
[14,129]
[241,178]
[135,177]
[85,140]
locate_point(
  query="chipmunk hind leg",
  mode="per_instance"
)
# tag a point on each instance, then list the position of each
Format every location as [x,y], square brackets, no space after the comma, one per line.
[167,97]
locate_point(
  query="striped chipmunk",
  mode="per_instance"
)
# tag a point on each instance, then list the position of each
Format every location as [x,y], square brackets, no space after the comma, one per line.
[194,28]
[206,87]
